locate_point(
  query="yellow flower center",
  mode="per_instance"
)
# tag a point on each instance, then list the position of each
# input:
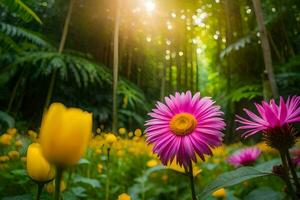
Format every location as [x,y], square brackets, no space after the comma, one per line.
[183,123]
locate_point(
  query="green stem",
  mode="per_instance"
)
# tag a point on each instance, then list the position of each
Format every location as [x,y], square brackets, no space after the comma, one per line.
[59,173]
[287,179]
[107,176]
[191,176]
[293,172]
[39,191]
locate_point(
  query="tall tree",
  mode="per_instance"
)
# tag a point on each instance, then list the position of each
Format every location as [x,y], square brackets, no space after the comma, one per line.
[60,50]
[265,46]
[116,66]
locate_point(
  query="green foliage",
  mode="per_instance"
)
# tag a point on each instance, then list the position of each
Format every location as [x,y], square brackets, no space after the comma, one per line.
[24,34]
[246,92]
[6,120]
[236,46]
[232,178]
[21,9]
[142,183]
[264,193]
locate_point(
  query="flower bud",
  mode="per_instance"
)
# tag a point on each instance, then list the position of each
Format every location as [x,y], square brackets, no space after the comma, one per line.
[38,168]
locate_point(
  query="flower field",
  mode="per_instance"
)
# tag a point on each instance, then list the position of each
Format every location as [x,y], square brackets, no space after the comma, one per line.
[132,170]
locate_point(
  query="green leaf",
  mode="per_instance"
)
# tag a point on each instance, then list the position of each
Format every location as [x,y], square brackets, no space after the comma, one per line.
[79,191]
[264,193]
[21,9]
[7,119]
[92,182]
[232,178]
[83,161]
[268,166]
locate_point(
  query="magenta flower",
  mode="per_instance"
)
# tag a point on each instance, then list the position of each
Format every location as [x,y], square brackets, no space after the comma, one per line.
[184,127]
[244,157]
[271,116]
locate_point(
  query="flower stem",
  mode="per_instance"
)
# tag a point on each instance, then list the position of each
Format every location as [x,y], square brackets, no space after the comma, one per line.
[107,176]
[287,179]
[190,174]
[39,191]
[293,172]
[59,173]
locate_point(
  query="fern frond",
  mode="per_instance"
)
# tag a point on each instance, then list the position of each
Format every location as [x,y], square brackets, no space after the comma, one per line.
[21,9]
[18,32]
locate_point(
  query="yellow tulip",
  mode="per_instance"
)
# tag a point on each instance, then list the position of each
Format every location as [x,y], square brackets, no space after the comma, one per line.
[124,196]
[38,167]
[65,134]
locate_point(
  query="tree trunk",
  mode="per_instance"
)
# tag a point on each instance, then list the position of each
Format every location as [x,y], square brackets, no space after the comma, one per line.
[265,46]
[60,50]
[116,67]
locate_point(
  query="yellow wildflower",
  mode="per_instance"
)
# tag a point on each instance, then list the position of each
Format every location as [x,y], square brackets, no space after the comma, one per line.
[99,168]
[120,153]
[5,139]
[122,131]
[219,151]
[164,178]
[12,131]
[138,132]
[98,151]
[130,134]
[110,139]
[265,148]
[152,163]
[50,186]
[220,193]
[32,134]
[4,158]
[19,143]
[98,130]
[176,167]
[23,159]
[14,154]
[124,196]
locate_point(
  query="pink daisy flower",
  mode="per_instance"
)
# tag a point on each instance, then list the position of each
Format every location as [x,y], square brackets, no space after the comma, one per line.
[271,116]
[244,157]
[184,127]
